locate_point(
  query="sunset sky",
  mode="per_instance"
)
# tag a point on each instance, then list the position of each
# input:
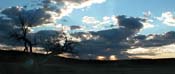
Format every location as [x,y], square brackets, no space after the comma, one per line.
[103,20]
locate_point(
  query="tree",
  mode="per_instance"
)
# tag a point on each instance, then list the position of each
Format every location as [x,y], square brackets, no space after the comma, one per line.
[68,45]
[22,33]
[22,19]
[60,45]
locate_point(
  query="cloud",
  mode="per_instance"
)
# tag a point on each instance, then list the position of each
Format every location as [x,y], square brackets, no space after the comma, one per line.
[45,13]
[154,40]
[33,17]
[127,25]
[65,7]
[44,35]
[10,22]
[6,27]
[75,27]
[152,46]
[105,43]
[108,42]
[90,20]
[170,35]
[167,18]
[147,13]
[114,20]
[166,51]
[148,23]
[107,22]
[130,23]
[68,29]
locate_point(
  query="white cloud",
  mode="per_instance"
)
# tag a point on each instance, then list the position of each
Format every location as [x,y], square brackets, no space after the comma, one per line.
[67,6]
[167,18]
[107,22]
[90,20]
[166,51]
[106,18]
[81,3]
[147,25]
[62,28]
[147,14]
[114,20]
[148,22]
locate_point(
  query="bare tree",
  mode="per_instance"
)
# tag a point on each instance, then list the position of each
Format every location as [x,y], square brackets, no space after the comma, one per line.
[22,19]
[21,35]
[68,45]
[54,45]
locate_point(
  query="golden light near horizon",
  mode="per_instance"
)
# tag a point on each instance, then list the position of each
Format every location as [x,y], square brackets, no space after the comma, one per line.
[65,55]
[113,58]
[101,58]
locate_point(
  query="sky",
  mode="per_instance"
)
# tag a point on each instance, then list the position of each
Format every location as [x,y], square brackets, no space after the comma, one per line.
[136,8]
[109,25]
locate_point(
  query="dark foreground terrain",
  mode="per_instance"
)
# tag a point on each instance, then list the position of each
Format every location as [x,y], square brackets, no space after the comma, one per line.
[15,62]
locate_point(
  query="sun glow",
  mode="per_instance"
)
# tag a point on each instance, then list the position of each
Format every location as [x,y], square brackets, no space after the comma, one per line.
[101,58]
[113,58]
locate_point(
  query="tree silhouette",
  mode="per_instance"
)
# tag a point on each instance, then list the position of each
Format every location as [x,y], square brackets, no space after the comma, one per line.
[68,45]
[20,20]
[21,35]
[54,45]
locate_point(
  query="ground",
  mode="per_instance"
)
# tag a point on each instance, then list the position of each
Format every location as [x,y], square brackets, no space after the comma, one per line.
[16,62]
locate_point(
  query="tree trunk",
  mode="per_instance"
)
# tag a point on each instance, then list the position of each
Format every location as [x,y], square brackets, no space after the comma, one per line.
[30,45]
[26,47]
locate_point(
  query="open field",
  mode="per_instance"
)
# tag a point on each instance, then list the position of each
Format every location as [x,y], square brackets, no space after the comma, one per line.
[15,62]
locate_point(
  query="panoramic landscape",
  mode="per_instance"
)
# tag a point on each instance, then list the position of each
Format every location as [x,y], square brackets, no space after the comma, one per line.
[87,37]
